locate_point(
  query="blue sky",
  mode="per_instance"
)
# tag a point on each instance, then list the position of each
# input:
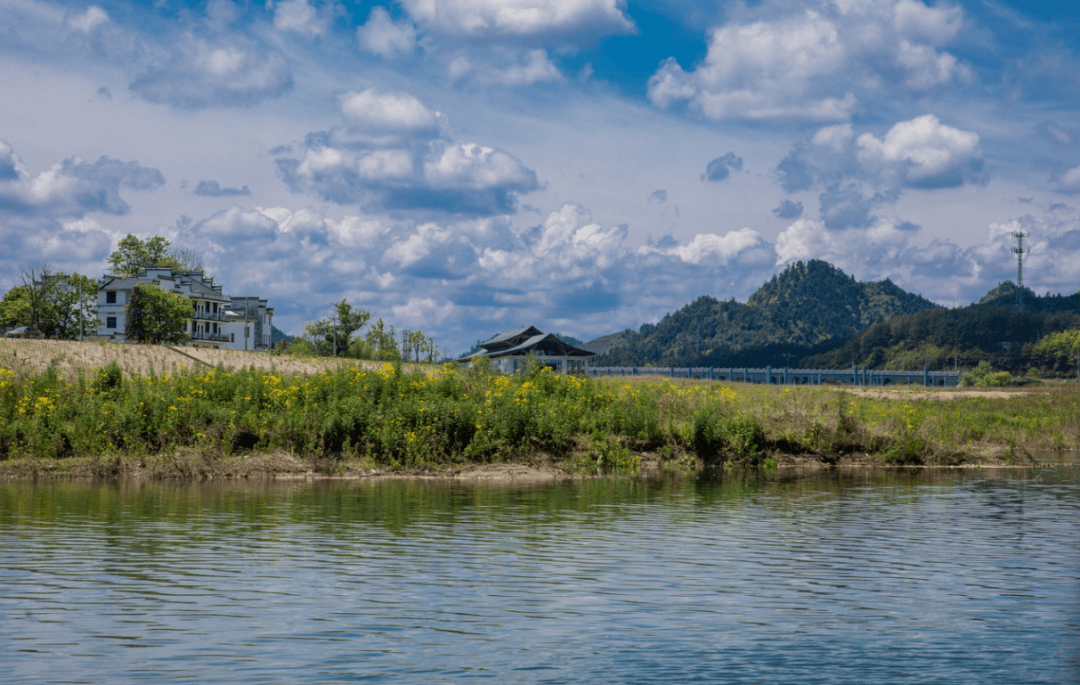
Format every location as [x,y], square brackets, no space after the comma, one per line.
[466,166]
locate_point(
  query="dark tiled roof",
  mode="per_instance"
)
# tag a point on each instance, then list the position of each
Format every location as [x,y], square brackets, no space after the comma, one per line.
[541,342]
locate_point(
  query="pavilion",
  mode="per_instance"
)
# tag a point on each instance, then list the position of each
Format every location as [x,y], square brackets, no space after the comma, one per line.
[509,350]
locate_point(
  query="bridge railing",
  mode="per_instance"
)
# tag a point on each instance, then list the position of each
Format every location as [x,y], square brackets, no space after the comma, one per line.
[768,375]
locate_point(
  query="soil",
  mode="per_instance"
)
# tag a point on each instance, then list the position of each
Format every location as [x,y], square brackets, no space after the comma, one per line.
[192,466]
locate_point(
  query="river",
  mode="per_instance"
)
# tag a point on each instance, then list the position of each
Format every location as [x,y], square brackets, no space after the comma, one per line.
[859,577]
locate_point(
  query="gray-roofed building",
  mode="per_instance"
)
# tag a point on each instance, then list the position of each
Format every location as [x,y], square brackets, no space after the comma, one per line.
[509,351]
[217,320]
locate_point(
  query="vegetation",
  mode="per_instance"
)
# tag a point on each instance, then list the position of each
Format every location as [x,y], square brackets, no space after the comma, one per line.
[156,316]
[133,255]
[51,302]
[806,309]
[352,416]
[1003,336]
[338,336]
[335,332]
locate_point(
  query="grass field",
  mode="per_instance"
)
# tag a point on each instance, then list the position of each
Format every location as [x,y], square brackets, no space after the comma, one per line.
[68,403]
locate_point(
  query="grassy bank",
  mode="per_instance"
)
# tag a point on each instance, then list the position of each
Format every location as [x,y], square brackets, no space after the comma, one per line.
[353,417]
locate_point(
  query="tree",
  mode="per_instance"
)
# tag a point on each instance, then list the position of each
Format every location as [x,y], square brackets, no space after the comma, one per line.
[52,302]
[15,307]
[332,334]
[380,342]
[133,255]
[157,317]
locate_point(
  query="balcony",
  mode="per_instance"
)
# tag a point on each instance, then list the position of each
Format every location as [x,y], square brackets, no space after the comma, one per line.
[212,337]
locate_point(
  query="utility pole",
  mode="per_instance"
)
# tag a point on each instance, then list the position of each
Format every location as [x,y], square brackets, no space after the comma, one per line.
[1020,251]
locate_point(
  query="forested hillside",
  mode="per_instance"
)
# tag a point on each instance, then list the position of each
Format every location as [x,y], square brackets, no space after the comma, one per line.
[992,329]
[808,308]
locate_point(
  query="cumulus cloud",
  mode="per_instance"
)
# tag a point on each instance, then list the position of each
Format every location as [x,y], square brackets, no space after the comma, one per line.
[202,73]
[721,167]
[500,67]
[297,16]
[550,20]
[89,20]
[813,64]
[870,253]
[391,154]
[924,153]
[212,189]
[71,188]
[1068,182]
[380,113]
[44,216]
[860,173]
[383,36]
[473,273]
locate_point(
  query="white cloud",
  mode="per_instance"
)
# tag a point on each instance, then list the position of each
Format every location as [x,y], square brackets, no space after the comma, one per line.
[935,25]
[926,66]
[202,73]
[373,111]
[393,155]
[552,19]
[71,188]
[503,68]
[762,70]
[710,248]
[814,64]
[383,36]
[924,152]
[1068,182]
[89,20]
[866,253]
[299,17]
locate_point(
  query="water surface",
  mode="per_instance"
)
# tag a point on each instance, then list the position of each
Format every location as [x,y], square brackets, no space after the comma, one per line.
[941,578]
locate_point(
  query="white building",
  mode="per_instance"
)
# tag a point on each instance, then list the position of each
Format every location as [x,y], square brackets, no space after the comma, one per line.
[217,321]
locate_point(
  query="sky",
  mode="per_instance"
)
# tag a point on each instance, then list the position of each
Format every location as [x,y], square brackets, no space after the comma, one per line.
[463,167]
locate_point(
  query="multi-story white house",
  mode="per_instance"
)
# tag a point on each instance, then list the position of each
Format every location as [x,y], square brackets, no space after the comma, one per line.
[217,321]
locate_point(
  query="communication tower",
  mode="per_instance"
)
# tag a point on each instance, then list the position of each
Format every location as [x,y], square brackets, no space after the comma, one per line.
[1020,251]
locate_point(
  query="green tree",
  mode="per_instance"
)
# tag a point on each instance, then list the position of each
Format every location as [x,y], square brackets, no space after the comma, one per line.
[15,307]
[157,317]
[133,255]
[380,342]
[332,334]
[52,302]
[1060,350]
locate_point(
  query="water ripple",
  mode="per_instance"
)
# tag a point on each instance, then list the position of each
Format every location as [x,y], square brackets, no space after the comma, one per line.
[971,580]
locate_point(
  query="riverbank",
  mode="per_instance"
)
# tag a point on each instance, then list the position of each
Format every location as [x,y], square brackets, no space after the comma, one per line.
[280,466]
[322,418]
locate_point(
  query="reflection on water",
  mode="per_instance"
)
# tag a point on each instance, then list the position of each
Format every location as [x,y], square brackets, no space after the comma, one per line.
[947,577]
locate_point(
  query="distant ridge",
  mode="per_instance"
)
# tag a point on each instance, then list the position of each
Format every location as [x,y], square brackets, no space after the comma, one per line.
[992,329]
[808,308]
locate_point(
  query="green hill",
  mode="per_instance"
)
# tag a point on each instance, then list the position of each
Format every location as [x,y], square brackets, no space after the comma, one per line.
[808,308]
[993,329]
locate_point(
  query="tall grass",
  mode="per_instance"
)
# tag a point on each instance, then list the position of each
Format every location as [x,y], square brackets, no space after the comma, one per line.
[400,418]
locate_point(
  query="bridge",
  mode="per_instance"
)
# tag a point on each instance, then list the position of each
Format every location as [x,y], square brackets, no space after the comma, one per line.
[860,377]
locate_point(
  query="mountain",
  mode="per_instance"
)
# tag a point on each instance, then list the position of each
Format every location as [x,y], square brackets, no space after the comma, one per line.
[808,308]
[277,334]
[992,329]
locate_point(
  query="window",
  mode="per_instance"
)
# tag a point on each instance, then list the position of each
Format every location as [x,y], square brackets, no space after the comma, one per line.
[110,297]
[232,337]
[110,322]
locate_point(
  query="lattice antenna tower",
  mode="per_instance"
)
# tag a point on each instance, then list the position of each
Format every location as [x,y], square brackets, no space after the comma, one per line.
[1020,251]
